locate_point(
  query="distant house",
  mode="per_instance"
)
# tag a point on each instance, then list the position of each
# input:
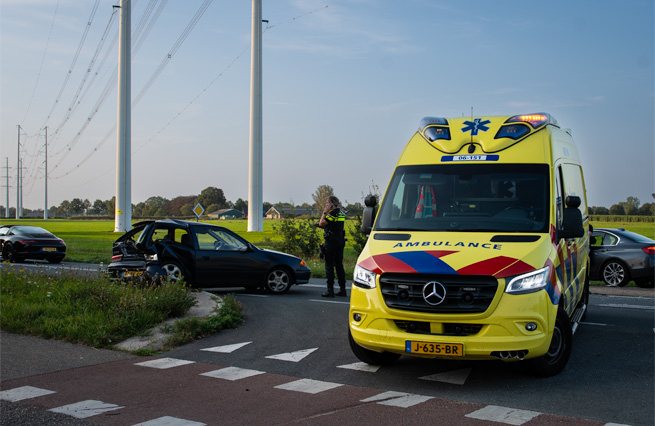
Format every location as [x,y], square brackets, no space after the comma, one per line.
[277,212]
[226,214]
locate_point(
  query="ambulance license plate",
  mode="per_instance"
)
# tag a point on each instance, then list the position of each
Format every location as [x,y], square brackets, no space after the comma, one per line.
[128,274]
[441,349]
[49,249]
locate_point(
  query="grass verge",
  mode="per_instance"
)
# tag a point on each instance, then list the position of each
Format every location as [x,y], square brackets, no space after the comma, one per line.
[97,312]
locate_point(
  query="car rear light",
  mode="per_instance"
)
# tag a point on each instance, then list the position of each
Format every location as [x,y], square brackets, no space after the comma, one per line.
[118,257]
[649,250]
[27,241]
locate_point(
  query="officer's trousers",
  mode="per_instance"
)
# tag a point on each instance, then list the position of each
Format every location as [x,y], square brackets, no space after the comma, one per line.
[334,260]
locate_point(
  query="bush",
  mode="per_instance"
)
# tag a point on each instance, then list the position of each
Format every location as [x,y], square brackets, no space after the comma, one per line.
[299,237]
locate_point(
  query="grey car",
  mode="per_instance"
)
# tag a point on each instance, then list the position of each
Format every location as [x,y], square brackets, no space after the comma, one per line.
[619,256]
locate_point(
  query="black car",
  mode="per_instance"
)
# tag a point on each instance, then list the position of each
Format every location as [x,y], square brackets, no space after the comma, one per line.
[20,242]
[619,256]
[202,255]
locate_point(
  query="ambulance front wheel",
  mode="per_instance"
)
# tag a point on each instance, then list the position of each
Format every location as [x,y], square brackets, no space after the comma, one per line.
[554,361]
[371,357]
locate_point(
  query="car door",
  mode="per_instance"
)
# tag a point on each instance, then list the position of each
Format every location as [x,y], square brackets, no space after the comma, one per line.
[223,259]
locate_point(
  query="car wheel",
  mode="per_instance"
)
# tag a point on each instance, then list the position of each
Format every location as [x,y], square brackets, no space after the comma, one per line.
[278,281]
[615,274]
[173,271]
[371,357]
[554,361]
[9,254]
[644,283]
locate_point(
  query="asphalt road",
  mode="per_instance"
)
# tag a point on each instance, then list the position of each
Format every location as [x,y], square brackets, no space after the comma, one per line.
[301,337]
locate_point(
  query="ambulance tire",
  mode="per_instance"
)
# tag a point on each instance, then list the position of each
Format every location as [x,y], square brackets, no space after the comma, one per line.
[371,357]
[554,361]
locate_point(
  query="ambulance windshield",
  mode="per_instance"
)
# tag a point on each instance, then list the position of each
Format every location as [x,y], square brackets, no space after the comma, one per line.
[467,197]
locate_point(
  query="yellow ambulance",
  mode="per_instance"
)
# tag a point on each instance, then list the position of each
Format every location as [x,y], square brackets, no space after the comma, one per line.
[479,248]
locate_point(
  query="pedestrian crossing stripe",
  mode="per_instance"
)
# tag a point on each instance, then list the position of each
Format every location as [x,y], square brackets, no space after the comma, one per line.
[84,409]
[308,386]
[397,399]
[170,421]
[164,363]
[232,373]
[510,416]
[23,392]
[456,377]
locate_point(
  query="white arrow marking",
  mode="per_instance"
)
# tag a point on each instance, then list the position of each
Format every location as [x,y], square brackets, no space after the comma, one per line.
[227,349]
[456,377]
[361,366]
[292,356]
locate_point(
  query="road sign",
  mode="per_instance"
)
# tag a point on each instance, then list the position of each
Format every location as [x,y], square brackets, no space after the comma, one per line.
[198,210]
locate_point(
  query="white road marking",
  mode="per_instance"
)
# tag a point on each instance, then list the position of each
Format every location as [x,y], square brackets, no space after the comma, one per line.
[23,392]
[455,377]
[293,356]
[624,305]
[397,399]
[361,366]
[329,301]
[232,373]
[164,363]
[510,416]
[308,386]
[226,349]
[169,421]
[84,409]
[384,395]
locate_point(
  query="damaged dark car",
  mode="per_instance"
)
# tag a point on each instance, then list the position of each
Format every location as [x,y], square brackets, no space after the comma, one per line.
[202,255]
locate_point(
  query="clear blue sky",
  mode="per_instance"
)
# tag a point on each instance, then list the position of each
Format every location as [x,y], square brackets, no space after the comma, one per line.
[345,86]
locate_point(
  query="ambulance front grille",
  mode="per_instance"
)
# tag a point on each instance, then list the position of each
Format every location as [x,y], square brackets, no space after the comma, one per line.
[465,294]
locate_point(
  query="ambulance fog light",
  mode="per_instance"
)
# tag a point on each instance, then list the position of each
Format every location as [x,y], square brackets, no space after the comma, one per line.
[531,326]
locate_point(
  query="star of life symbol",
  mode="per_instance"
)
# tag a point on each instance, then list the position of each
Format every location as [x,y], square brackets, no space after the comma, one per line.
[476,125]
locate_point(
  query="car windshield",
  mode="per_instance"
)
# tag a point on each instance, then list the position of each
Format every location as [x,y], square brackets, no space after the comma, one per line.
[218,239]
[467,197]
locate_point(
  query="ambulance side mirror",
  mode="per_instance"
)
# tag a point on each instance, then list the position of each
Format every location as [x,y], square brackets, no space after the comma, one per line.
[369,214]
[572,219]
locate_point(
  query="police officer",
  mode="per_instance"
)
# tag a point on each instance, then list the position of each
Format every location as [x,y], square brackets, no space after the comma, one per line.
[332,221]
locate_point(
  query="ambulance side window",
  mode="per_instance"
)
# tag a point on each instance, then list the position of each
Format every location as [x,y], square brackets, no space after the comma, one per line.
[573,184]
[558,200]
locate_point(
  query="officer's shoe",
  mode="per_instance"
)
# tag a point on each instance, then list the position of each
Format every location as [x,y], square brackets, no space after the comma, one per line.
[342,293]
[328,294]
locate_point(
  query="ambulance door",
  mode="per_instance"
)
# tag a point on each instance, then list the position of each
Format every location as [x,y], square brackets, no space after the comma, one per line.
[572,251]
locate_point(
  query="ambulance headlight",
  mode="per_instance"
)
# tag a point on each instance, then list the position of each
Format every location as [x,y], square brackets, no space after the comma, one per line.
[530,282]
[364,278]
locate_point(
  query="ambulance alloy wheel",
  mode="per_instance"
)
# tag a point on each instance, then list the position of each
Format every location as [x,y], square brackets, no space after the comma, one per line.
[371,357]
[554,361]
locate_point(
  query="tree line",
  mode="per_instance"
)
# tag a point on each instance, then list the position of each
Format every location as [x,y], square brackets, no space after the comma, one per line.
[211,199]
[630,207]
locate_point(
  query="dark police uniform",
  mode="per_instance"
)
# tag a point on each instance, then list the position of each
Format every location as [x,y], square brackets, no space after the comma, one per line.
[335,241]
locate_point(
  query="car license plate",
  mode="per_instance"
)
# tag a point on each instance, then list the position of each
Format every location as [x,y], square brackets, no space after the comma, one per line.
[49,249]
[128,274]
[441,349]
